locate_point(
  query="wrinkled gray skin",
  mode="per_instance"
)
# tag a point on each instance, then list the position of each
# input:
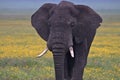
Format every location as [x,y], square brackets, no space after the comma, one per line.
[63,25]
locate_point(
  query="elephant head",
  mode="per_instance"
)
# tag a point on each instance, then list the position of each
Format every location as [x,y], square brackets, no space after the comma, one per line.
[63,26]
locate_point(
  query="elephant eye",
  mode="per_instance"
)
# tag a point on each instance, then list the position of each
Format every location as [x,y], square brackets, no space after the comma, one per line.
[72,24]
[49,24]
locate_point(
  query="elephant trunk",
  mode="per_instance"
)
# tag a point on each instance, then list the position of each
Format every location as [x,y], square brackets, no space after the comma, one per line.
[59,41]
[59,63]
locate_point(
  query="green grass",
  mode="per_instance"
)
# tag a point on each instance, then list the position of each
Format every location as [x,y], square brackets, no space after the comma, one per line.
[19,45]
[26,69]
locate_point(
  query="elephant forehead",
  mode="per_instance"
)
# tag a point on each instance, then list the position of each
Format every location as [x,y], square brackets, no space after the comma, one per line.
[61,19]
[62,10]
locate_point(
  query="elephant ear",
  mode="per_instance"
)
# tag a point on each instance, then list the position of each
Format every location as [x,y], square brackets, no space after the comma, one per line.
[39,20]
[88,21]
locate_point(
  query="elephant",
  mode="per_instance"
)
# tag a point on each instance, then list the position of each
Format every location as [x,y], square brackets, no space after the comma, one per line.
[68,30]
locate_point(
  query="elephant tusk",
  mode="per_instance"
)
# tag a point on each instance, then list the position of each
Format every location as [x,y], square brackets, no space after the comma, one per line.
[71,51]
[45,51]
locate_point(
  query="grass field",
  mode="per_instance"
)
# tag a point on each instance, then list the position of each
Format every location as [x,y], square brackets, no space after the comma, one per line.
[19,45]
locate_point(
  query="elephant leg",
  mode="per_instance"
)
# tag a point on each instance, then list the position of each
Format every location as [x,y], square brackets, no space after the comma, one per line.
[81,52]
[68,66]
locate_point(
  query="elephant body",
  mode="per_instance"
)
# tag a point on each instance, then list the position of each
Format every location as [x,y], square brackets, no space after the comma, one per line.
[66,25]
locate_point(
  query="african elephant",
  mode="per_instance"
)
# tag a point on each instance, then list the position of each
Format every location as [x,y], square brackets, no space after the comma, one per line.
[69,30]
